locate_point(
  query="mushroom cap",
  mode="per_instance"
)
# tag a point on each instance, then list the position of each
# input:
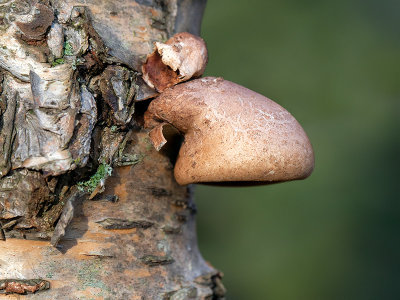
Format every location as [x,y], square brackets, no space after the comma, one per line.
[231,134]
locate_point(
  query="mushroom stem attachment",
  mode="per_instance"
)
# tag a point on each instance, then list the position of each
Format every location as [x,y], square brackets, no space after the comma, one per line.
[157,137]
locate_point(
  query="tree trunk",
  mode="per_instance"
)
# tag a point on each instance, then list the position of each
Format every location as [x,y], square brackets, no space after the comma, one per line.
[88,208]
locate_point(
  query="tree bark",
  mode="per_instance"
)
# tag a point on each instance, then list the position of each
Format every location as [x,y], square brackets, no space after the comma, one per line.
[88,208]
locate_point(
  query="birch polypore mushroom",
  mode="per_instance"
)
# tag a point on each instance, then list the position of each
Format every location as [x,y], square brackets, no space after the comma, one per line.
[231,134]
[182,57]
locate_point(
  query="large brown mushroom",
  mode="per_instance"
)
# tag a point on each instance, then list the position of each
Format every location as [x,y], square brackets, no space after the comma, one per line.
[231,134]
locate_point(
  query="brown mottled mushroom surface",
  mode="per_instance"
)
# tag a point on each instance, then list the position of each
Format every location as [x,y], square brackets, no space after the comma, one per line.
[231,134]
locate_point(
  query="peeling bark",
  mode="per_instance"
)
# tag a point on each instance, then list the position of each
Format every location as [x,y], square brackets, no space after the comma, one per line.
[69,81]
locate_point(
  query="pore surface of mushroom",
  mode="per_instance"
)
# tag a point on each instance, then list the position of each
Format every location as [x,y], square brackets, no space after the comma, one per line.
[230,133]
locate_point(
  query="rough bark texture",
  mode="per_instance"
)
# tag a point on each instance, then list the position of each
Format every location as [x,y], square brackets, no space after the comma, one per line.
[88,209]
[136,241]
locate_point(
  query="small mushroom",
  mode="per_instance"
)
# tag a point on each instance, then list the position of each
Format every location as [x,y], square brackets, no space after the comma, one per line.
[231,134]
[182,57]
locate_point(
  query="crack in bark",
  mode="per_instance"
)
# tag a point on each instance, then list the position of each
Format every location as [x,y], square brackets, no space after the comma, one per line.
[154,260]
[114,223]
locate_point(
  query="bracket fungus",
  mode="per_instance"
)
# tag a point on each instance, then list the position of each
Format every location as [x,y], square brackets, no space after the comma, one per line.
[231,134]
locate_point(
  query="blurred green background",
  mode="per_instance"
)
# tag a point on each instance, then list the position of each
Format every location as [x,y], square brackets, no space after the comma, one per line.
[335,65]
